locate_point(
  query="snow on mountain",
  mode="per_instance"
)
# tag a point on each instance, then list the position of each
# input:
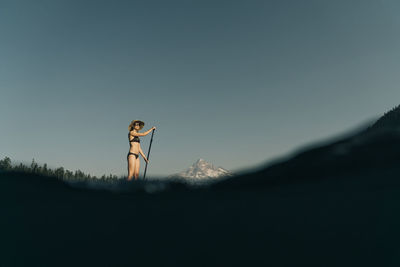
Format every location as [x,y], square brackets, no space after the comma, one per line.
[202,170]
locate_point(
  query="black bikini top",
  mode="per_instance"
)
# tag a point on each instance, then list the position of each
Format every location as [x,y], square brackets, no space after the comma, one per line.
[135,139]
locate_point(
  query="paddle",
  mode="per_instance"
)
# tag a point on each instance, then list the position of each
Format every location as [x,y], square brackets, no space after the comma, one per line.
[148,154]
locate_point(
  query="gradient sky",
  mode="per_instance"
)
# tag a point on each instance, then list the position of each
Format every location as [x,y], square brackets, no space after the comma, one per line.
[237,83]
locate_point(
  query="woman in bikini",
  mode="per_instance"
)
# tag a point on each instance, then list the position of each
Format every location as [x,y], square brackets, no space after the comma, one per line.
[135,149]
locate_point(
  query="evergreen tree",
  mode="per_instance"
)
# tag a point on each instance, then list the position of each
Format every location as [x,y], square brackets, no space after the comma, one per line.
[59,172]
[5,164]
[44,170]
[34,166]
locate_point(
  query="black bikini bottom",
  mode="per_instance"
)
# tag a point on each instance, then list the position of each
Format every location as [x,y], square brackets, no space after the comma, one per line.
[136,155]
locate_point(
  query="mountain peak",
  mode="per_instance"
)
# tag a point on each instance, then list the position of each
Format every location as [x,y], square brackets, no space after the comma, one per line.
[201,169]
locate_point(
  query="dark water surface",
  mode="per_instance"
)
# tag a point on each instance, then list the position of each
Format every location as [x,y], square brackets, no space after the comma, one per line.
[320,208]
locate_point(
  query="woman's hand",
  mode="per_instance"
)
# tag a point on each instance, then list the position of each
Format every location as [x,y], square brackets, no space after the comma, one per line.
[153,128]
[146,160]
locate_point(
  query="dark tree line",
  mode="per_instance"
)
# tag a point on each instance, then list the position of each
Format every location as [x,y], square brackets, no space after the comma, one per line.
[389,120]
[60,173]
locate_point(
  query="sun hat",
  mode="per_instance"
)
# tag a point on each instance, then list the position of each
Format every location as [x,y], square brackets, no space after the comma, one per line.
[131,125]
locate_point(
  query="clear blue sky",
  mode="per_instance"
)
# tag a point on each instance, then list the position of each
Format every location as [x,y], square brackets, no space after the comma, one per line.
[237,83]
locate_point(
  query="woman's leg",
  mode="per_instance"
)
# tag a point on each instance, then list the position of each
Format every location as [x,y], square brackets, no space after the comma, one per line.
[131,166]
[137,168]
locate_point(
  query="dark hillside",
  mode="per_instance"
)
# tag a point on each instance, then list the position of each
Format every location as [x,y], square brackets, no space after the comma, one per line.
[316,209]
[331,205]
[390,120]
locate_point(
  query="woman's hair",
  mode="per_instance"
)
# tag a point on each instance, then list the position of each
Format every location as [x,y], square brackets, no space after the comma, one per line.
[131,127]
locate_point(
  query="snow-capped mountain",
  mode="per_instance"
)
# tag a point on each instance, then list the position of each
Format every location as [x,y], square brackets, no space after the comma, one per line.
[202,170]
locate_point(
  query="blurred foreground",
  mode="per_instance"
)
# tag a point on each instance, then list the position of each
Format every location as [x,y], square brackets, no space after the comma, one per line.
[331,205]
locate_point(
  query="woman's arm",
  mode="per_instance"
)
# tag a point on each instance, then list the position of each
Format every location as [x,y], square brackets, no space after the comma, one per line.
[141,153]
[138,134]
[141,134]
[146,133]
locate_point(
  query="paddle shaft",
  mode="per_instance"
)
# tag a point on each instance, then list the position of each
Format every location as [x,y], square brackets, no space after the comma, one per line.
[148,155]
